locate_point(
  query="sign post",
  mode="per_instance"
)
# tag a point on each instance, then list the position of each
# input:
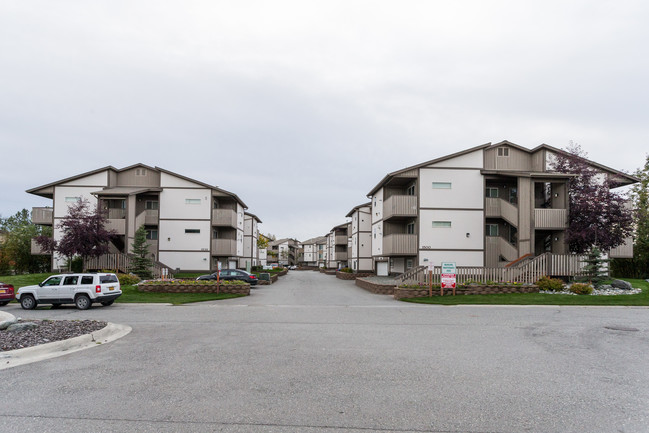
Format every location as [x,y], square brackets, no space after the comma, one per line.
[218,277]
[449,273]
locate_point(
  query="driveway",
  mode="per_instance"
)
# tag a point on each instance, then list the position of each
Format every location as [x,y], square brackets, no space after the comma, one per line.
[315,354]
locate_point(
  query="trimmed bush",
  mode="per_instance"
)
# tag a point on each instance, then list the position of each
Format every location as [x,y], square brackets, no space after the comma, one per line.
[347,270]
[128,279]
[581,289]
[550,284]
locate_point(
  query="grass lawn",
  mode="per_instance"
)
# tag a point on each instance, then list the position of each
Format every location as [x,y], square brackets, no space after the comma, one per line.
[641,299]
[129,293]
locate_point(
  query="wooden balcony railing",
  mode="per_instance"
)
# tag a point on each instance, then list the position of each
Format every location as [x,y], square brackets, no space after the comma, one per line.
[400,206]
[224,217]
[399,244]
[224,247]
[43,216]
[556,219]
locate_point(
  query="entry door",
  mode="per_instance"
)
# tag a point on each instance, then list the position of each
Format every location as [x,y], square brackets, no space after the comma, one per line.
[232,264]
[382,269]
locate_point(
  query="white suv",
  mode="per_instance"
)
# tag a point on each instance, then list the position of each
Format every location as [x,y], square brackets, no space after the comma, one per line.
[79,289]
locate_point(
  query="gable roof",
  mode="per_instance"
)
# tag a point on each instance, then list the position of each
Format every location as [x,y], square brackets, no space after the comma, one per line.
[355,208]
[423,164]
[44,190]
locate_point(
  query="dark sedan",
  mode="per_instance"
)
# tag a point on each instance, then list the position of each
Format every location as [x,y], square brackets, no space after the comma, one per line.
[232,274]
[6,293]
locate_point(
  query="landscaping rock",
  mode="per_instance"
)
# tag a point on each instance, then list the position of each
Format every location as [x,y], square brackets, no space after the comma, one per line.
[4,324]
[20,327]
[624,285]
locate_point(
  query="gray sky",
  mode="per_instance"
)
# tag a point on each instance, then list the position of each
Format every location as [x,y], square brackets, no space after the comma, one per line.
[301,107]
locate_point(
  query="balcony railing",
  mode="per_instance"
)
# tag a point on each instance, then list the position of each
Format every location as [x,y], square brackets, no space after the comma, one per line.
[400,206]
[341,239]
[341,255]
[118,225]
[114,214]
[399,244]
[224,247]
[43,216]
[224,217]
[550,218]
[151,217]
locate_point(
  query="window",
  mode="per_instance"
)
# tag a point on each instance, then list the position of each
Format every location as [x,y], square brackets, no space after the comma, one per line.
[192,230]
[70,281]
[54,281]
[192,201]
[215,234]
[409,264]
[491,230]
[151,205]
[410,190]
[441,185]
[410,229]
[140,171]
[152,234]
[492,192]
[503,151]
[72,199]
[441,224]
[103,279]
[87,279]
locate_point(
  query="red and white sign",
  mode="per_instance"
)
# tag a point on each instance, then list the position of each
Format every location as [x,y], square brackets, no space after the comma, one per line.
[448,281]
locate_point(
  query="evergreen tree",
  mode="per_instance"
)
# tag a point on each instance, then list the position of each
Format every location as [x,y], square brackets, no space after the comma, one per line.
[141,264]
[596,269]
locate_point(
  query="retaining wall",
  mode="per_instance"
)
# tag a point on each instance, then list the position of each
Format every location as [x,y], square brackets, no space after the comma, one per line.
[400,292]
[379,289]
[237,289]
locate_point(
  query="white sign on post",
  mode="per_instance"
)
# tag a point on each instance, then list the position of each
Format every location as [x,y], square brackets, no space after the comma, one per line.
[448,275]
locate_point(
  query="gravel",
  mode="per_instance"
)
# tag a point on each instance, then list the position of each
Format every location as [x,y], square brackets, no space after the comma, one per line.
[47,331]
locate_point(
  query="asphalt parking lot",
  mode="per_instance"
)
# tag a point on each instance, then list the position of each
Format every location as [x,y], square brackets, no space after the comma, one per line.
[315,354]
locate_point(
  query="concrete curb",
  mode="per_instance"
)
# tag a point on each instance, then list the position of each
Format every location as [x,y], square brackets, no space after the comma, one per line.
[111,332]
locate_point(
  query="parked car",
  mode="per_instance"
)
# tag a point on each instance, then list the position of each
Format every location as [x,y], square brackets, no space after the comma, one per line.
[80,289]
[232,274]
[6,293]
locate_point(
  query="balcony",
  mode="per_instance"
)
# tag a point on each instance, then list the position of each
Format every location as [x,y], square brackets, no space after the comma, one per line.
[499,208]
[151,217]
[400,245]
[400,206]
[224,247]
[224,217]
[342,255]
[341,239]
[118,225]
[37,250]
[550,219]
[43,216]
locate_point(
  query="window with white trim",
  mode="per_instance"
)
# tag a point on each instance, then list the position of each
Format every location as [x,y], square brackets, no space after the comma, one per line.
[442,224]
[151,205]
[192,201]
[492,193]
[441,185]
[72,199]
[503,151]
[192,231]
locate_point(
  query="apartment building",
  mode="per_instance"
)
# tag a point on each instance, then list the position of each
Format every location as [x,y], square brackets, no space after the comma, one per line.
[313,251]
[485,206]
[360,246]
[283,251]
[337,246]
[191,226]
[250,237]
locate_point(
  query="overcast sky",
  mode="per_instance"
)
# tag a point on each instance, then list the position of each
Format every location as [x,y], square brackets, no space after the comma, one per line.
[301,107]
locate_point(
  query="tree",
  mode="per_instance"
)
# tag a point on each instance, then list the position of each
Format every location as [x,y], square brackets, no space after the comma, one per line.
[262,242]
[597,215]
[638,266]
[141,264]
[16,249]
[596,269]
[84,233]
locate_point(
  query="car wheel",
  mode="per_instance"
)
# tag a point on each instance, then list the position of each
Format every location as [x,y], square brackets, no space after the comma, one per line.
[82,302]
[28,302]
[3,303]
[107,303]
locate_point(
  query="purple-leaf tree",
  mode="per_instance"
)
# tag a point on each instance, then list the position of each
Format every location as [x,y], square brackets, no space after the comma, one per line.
[84,233]
[597,215]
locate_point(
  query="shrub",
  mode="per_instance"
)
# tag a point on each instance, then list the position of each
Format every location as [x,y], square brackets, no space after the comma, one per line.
[347,270]
[128,279]
[550,284]
[581,289]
